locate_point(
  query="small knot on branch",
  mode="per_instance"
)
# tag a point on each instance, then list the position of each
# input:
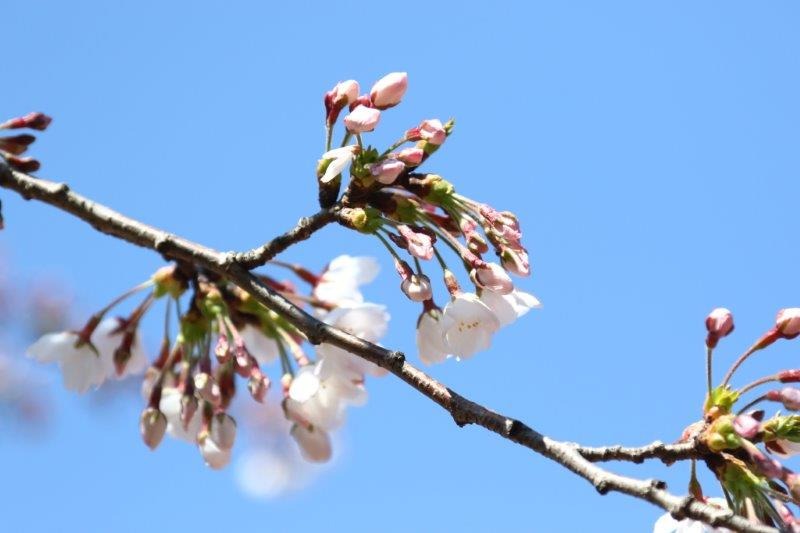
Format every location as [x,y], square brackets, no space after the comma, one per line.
[602,487]
[227,260]
[318,334]
[397,359]
[163,242]
[680,512]
[60,189]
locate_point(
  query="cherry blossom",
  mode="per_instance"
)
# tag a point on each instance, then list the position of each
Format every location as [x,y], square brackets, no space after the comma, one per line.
[468,325]
[509,307]
[362,119]
[314,443]
[170,405]
[262,347]
[491,276]
[430,337]
[367,321]
[81,367]
[339,159]
[342,278]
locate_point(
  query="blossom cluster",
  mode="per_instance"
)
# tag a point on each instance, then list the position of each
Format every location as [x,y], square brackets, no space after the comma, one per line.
[746,449]
[412,213]
[223,335]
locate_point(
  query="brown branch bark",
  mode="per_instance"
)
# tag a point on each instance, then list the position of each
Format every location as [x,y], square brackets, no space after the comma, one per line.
[463,411]
[667,453]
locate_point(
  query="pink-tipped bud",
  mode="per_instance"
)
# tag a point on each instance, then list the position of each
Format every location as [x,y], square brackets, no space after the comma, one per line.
[362,119]
[206,388]
[361,100]
[766,465]
[789,376]
[223,430]
[788,396]
[788,322]
[719,323]
[34,121]
[746,426]
[23,164]
[515,261]
[387,171]
[152,426]
[244,361]
[430,130]
[343,94]
[16,144]
[417,288]
[410,156]
[258,385]
[477,244]
[420,244]
[389,90]
[493,277]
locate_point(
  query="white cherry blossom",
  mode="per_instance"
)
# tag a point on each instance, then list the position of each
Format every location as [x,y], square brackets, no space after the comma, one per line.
[81,367]
[509,307]
[319,395]
[213,454]
[340,158]
[430,338]
[367,321]
[107,338]
[342,278]
[468,325]
[262,347]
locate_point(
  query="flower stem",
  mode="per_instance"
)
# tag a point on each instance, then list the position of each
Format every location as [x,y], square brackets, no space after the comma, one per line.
[739,362]
[756,383]
[709,355]
[388,246]
[328,137]
[751,404]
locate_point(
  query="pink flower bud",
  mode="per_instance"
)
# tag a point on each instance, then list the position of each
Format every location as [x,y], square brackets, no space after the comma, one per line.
[34,121]
[386,171]
[207,389]
[343,94]
[430,130]
[788,322]
[152,426]
[515,261]
[420,245]
[258,385]
[223,430]
[410,156]
[362,119]
[491,276]
[389,90]
[417,288]
[746,426]
[719,323]
[788,396]
[223,349]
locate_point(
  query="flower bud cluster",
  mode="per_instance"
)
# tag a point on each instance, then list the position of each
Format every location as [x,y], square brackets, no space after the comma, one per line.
[420,214]
[12,147]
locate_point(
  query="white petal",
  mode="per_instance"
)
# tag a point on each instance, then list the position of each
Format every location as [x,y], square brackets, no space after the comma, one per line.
[214,456]
[314,443]
[52,347]
[304,385]
[263,348]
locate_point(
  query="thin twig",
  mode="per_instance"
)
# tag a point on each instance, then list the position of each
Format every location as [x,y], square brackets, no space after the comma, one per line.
[462,410]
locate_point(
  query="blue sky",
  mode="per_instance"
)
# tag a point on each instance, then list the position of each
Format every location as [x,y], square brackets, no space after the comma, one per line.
[650,150]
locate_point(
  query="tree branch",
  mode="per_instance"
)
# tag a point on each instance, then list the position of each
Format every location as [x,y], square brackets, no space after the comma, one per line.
[462,410]
[667,453]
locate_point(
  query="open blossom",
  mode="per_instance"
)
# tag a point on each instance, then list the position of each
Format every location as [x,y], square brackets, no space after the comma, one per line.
[81,366]
[362,119]
[365,320]
[468,325]
[509,307]
[389,90]
[262,347]
[667,524]
[107,339]
[420,245]
[491,276]
[342,278]
[339,159]
[320,393]
[430,337]
[213,454]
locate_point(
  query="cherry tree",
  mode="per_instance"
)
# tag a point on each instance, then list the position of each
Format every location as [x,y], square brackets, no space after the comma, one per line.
[231,329]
